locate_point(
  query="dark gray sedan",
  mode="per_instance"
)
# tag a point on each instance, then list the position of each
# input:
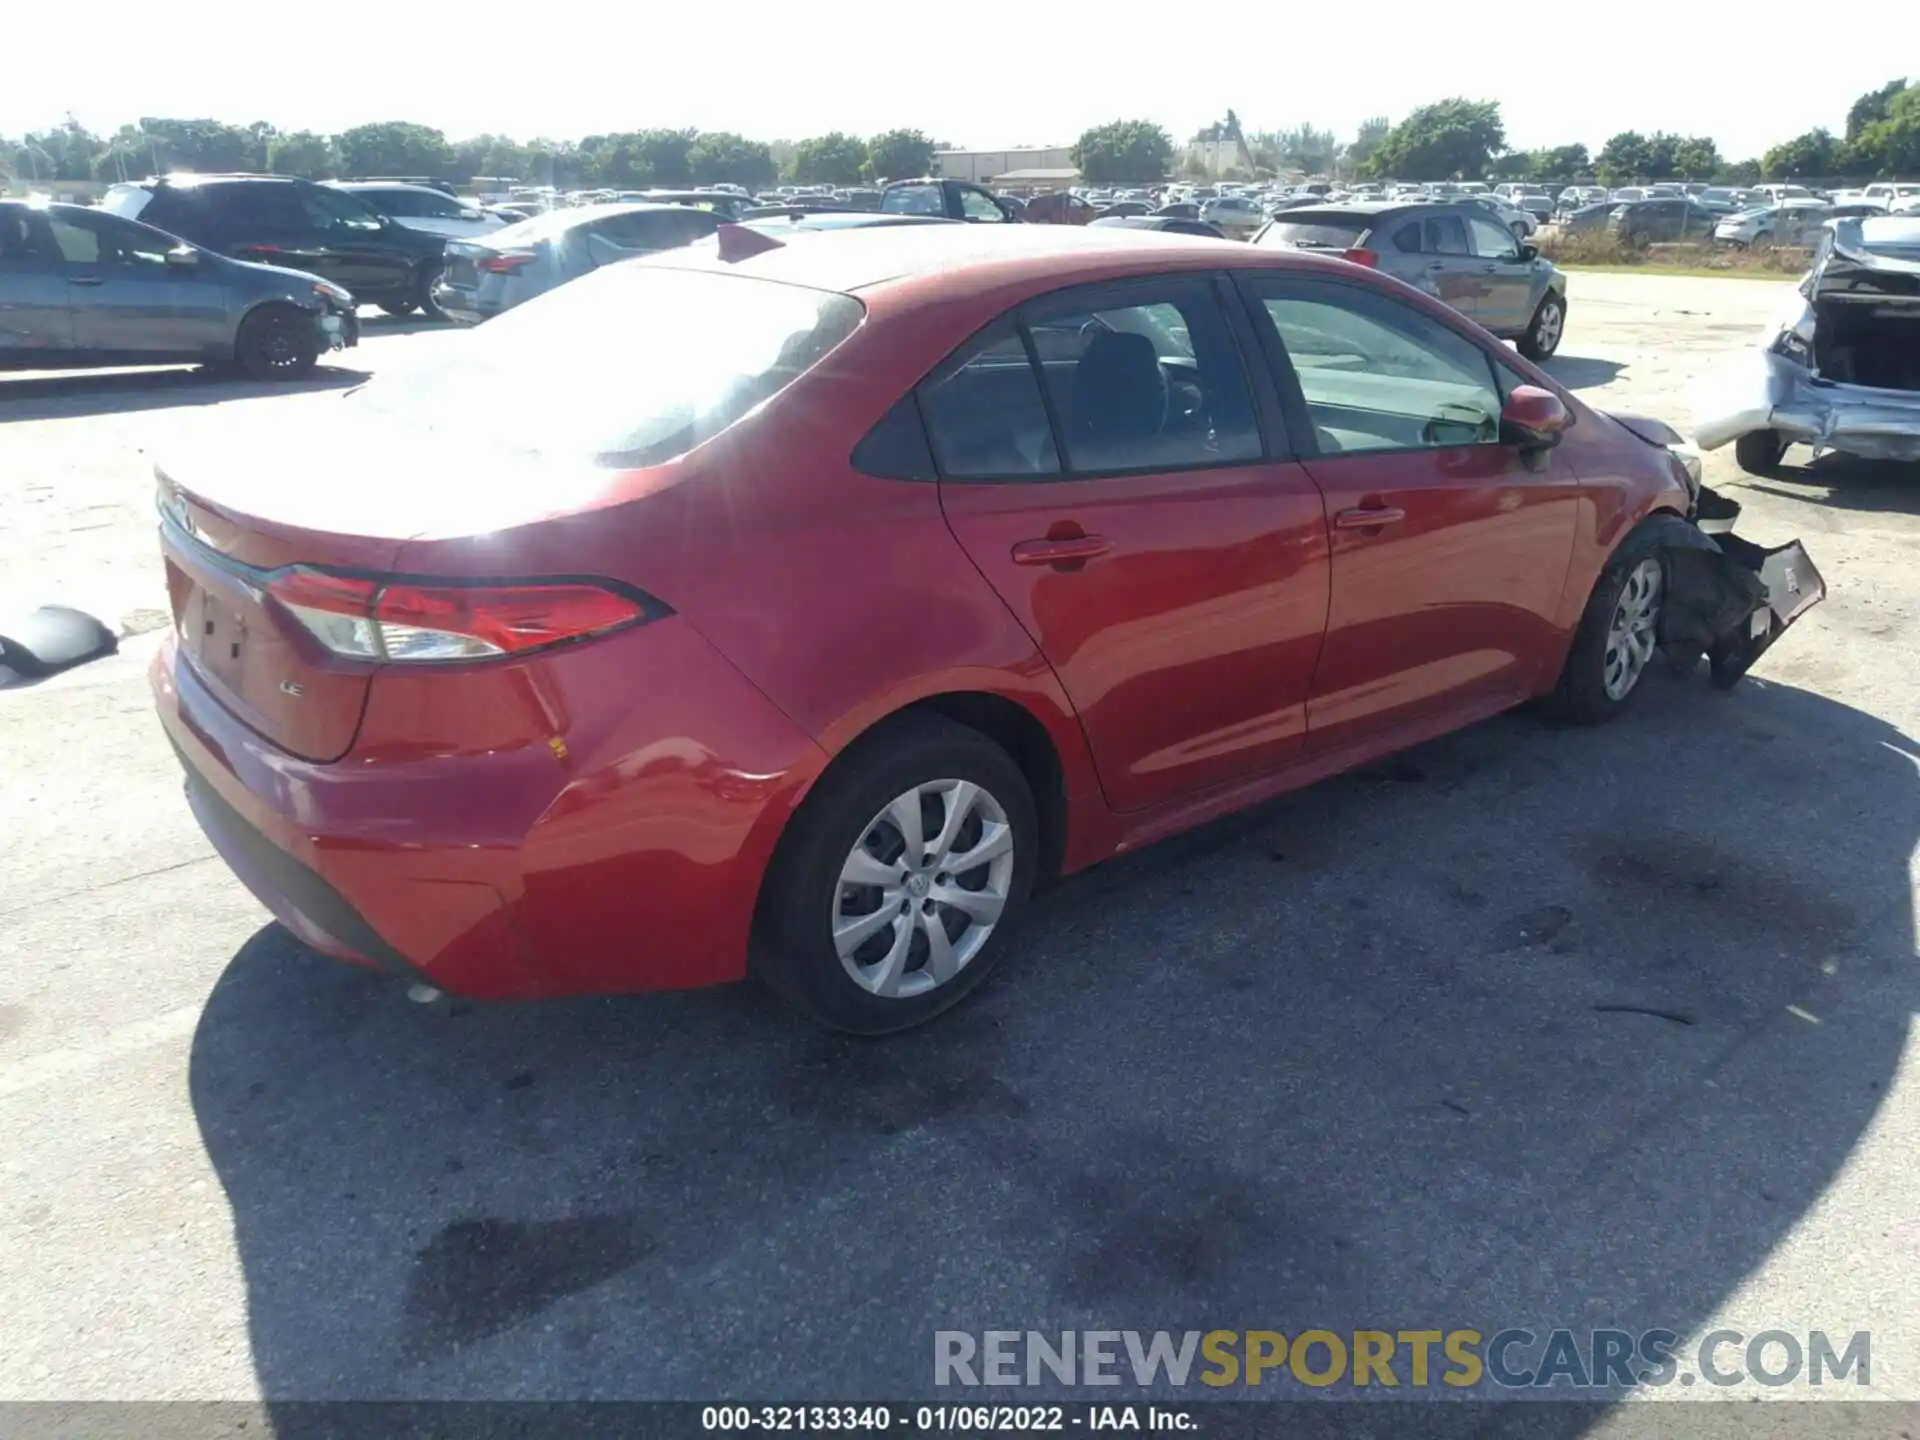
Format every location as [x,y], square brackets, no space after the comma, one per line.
[485,276]
[1461,254]
[80,287]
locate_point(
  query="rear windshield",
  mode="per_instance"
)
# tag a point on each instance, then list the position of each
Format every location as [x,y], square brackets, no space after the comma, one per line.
[1330,232]
[631,365]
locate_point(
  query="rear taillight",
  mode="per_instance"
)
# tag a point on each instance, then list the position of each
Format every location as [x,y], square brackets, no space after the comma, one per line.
[422,621]
[507,262]
[1360,256]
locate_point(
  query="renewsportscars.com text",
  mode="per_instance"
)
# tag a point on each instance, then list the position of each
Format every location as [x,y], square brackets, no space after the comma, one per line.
[1402,1359]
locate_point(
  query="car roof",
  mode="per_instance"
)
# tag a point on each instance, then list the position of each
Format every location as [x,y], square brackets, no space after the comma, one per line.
[1355,209]
[386,185]
[967,259]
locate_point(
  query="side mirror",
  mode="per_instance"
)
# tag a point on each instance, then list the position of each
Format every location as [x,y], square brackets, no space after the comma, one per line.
[1533,419]
[183,257]
[1529,253]
[472,215]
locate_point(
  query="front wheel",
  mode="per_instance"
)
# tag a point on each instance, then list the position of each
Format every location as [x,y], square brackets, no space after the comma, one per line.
[890,895]
[1548,325]
[277,342]
[1618,636]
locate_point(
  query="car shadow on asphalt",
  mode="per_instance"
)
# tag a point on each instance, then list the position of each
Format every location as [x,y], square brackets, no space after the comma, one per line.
[83,393]
[1843,482]
[1528,1026]
[1577,372]
[373,324]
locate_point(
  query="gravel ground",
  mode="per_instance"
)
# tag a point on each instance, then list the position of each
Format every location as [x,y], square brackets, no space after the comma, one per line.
[1530,1026]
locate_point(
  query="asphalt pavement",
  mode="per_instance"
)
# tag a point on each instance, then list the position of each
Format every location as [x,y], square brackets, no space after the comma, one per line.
[1532,1026]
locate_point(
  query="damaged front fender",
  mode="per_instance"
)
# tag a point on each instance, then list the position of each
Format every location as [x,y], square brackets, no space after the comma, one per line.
[1727,597]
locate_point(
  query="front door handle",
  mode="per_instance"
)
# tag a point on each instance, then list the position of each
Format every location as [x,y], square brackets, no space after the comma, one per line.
[86,280]
[1069,550]
[1488,269]
[1368,519]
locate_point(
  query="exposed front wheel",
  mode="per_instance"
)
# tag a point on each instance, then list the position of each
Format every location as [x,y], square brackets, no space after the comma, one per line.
[277,342]
[397,308]
[1618,636]
[890,896]
[1759,452]
[1548,325]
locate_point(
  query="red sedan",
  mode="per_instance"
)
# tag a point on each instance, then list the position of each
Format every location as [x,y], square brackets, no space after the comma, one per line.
[797,607]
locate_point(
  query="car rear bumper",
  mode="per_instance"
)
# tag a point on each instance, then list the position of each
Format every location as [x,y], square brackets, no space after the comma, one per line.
[615,853]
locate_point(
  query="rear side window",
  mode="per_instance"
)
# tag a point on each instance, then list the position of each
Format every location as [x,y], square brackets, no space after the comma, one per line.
[632,365]
[1314,234]
[1407,239]
[984,413]
[1445,235]
[1145,377]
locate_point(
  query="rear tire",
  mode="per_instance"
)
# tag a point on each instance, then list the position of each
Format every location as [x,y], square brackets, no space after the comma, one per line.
[1614,647]
[845,859]
[277,342]
[1759,452]
[397,308]
[1544,332]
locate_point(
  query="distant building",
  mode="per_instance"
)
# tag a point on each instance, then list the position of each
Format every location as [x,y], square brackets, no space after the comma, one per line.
[981,166]
[1030,182]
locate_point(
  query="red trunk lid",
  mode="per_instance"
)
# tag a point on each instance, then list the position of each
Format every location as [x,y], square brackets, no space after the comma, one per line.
[345,495]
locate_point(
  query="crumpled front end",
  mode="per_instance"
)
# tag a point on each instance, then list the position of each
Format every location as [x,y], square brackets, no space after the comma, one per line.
[1726,597]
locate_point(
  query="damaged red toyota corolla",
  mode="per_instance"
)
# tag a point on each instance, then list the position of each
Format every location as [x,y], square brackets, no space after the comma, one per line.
[798,607]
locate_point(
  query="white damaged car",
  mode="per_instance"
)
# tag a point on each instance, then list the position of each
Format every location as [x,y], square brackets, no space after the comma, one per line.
[1840,371]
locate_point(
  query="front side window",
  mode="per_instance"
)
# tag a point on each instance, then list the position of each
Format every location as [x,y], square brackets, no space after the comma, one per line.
[77,244]
[1492,241]
[984,413]
[1145,377]
[1379,375]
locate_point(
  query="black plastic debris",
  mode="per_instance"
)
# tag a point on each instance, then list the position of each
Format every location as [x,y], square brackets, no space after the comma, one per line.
[51,639]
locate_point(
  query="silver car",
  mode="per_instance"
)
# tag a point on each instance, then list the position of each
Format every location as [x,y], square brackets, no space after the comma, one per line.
[1460,254]
[1840,370]
[486,276]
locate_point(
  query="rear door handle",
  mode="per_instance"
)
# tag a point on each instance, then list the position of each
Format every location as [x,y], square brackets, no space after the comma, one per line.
[1368,519]
[86,280]
[1076,549]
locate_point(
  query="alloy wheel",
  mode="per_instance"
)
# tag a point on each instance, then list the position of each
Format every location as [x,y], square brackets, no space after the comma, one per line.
[1634,633]
[923,888]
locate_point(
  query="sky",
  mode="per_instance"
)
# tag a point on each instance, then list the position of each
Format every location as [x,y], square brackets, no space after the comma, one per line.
[984,74]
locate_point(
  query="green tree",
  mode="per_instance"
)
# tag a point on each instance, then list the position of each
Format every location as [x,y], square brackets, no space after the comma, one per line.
[1696,158]
[1451,139]
[1738,172]
[899,155]
[394,147]
[1872,108]
[202,145]
[1514,165]
[1891,147]
[639,159]
[1366,141]
[1560,162]
[721,157]
[1123,152]
[66,152]
[831,159]
[302,153]
[1624,157]
[1308,149]
[1808,156]
[490,155]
